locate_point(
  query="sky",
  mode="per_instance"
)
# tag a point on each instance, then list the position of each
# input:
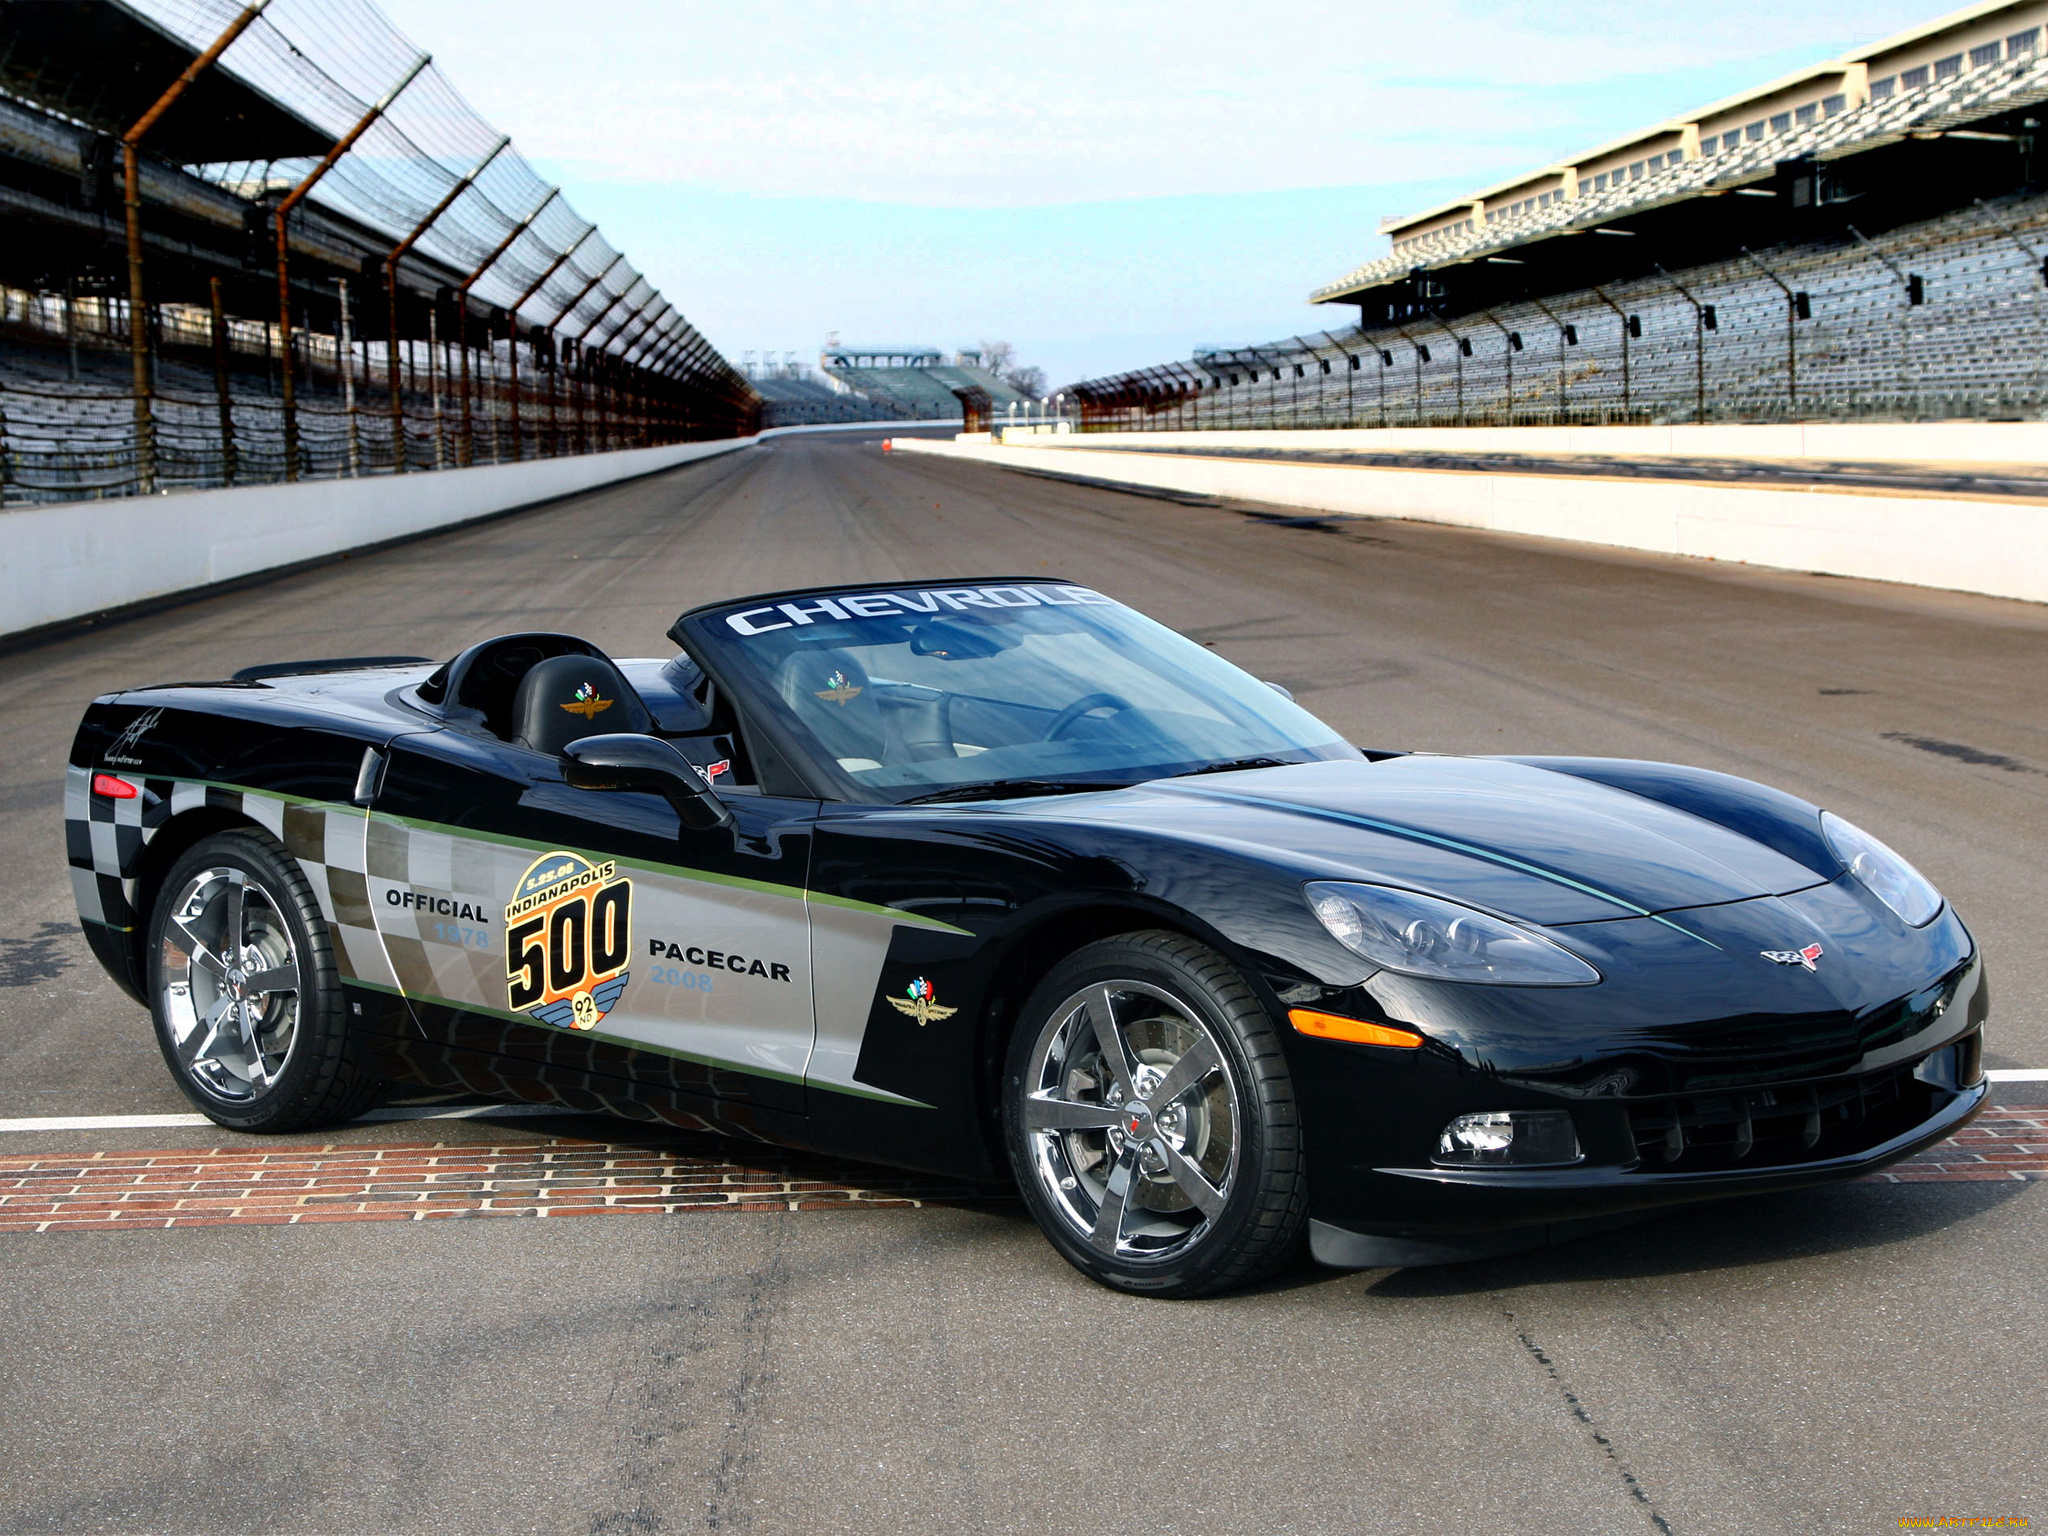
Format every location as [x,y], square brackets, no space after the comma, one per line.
[1104,186]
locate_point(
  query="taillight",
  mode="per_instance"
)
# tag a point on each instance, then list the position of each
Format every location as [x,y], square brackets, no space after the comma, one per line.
[114,789]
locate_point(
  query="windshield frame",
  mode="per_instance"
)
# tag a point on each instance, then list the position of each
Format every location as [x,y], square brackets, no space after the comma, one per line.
[765,718]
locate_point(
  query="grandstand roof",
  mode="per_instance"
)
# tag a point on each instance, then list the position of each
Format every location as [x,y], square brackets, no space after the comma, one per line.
[1921,84]
[104,63]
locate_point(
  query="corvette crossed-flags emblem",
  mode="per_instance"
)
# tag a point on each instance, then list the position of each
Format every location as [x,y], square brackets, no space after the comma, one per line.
[1804,957]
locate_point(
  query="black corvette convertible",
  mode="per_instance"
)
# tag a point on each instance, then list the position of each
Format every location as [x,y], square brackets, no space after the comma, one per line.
[1001,878]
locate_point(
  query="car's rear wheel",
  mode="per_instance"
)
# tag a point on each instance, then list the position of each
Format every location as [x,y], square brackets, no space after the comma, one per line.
[1150,1119]
[243,988]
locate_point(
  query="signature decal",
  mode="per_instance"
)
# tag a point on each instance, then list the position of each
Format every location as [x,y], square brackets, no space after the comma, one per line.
[122,749]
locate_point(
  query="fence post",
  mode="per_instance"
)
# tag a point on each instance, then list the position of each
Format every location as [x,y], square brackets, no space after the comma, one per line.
[465,455]
[1627,403]
[1791,334]
[1699,345]
[434,381]
[512,351]
[553,439]
[71,323]
[1564,403]
[1418,351]
[297,195]
[1459,348]
[1906,284]
[1511,340]
[347,359]
[223,397]
[131,187]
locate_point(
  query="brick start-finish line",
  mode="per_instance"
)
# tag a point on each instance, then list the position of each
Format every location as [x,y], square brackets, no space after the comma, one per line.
[429,1181]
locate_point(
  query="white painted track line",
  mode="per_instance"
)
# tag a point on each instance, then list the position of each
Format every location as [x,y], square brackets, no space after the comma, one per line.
[100,1122]
[2017,1074]
[395,1112]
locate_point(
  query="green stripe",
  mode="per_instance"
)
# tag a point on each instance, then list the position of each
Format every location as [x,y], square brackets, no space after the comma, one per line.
[1491,856]
[629,1043]
[705,876]
[637,1045]
[736,882]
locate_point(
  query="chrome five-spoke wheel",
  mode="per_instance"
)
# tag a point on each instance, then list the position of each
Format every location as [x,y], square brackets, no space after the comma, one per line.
[1150,1118]
[242,982]
[229,984]
[1133,1121]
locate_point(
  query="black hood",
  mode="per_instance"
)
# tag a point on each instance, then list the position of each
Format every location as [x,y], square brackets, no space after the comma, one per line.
[1546,847]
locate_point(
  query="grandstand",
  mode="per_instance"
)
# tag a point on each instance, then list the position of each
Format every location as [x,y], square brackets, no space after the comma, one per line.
[1864,238]
[793,395]
[262,242]
[916,381]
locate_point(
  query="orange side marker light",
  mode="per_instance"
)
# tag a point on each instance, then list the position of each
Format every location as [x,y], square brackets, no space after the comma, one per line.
[1331,1026]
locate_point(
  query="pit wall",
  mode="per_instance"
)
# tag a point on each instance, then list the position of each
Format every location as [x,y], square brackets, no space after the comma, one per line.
[1997,546]
[71,561]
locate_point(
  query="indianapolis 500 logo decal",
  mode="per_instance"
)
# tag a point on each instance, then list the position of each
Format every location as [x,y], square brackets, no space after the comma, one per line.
[568,938]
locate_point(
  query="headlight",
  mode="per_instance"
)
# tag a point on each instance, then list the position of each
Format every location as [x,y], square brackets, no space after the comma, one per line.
[1884,874]
[1422,936]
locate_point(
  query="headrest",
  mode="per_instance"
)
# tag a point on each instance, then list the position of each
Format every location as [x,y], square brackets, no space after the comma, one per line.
[567,698]
[831,692]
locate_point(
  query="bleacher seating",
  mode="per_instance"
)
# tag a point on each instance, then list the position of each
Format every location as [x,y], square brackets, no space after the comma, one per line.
[794,401]
[1977,346]
[927,392]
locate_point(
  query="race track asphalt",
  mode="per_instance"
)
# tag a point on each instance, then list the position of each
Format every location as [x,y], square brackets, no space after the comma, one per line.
[1828,1360]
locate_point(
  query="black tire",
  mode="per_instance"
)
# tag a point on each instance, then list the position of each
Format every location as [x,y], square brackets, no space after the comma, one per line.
[301,1066]
[1171,990]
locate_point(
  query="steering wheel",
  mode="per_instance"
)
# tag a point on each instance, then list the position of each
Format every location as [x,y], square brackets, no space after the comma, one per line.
[1086,704]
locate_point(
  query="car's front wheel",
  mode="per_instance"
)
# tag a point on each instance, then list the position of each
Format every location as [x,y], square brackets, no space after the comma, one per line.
[1151,1121]
[248,1008]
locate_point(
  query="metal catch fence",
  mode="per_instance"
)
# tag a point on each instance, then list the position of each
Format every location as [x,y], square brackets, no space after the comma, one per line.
[282,246]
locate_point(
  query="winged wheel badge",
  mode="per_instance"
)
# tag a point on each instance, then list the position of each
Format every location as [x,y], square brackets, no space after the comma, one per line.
[921,1002]
[839,689]
[586,703]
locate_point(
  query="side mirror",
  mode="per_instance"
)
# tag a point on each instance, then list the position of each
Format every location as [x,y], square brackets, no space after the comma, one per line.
[649,765]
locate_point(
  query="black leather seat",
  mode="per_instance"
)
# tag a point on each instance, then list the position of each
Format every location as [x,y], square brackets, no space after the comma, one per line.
[830,691]
[567,698]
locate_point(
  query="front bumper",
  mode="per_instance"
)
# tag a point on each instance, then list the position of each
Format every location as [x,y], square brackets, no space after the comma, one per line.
[1481,1212]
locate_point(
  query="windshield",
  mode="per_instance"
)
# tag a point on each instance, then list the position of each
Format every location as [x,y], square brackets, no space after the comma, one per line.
[960,692]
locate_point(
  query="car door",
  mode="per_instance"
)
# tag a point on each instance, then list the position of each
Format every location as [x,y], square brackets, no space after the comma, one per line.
[577,934]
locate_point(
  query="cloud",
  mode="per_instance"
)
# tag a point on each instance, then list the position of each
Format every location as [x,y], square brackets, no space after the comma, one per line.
[1104,185]
[1055,102]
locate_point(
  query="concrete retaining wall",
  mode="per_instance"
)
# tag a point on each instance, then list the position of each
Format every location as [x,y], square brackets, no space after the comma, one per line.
[1999,547]
[1935,442]
[74,559]
[78,558]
